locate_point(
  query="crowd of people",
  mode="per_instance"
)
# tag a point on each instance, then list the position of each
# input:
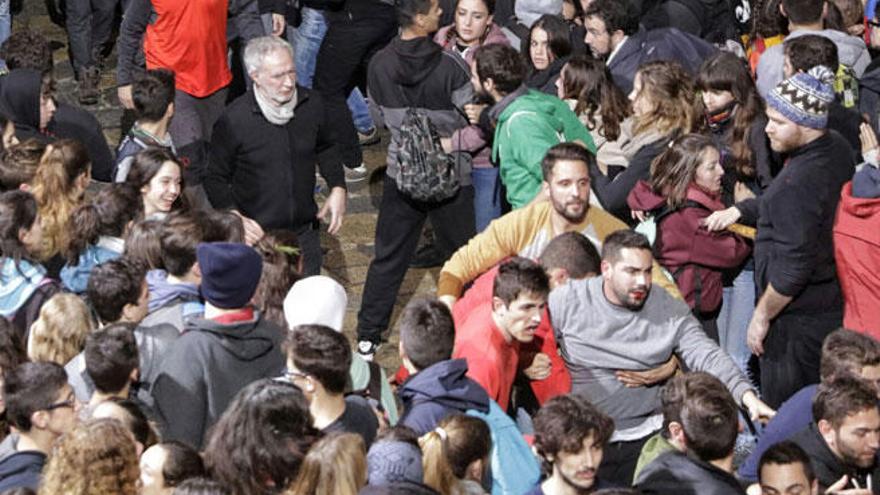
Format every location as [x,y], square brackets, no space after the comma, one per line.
[656,224]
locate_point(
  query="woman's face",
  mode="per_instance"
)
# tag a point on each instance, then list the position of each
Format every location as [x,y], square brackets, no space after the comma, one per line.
[32,238]
[716,100]
[641,102]
[9,138]
[472,20]
[539,49]
[709,172]
[152,482]
[162,190]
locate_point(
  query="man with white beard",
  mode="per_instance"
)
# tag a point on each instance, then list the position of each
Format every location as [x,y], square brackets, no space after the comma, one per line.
[265,148]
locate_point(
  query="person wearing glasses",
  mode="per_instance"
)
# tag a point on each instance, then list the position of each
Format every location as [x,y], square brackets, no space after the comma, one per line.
[41,406]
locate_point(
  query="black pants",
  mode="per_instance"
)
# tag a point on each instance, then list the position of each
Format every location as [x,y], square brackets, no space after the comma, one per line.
[619,461]
[397,234]
[353,36]
[791,353]
[89,25]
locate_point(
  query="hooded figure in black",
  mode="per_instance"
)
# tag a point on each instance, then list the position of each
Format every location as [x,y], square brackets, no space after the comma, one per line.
[20,100]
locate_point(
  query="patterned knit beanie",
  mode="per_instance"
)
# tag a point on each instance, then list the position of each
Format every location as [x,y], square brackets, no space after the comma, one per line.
[804,97]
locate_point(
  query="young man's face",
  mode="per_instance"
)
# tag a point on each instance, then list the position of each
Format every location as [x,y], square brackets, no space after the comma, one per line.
[856,441]
[597,38]
[63,412]
[786,479]
[519,319]
[627,280]
[784,134]
[578,469]
[569,188]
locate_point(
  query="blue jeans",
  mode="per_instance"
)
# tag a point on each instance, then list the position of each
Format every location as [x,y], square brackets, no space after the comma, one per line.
[307,42]
[738,304]
[5,25]
[487,196]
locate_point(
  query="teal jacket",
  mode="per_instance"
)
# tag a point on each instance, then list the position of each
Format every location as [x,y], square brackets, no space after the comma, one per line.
[525,130]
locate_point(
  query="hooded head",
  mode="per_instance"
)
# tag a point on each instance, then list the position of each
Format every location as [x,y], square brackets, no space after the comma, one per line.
[26,98]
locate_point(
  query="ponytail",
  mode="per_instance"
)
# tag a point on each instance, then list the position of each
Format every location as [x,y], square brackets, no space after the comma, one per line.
[437,471]
[107,215]
[85,226]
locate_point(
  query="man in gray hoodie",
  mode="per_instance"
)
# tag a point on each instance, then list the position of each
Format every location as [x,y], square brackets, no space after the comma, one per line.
[805,17]
[619,322]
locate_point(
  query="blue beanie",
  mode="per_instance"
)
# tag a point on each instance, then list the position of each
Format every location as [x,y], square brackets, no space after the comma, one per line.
[804,97]
[230,273]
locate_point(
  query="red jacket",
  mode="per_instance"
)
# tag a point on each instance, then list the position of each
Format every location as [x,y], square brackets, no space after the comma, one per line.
[857,254]
[694,256]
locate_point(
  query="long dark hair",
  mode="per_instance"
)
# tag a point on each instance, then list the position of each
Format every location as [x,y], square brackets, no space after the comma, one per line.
[672,173]
[727,72]
[281,256]
[588,81]
[18,210]
[146,165]
[263,436]
[107,214]
[558,41]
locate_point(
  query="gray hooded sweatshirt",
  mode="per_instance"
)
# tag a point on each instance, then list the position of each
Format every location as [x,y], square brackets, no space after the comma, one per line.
[851,51]
[597,338]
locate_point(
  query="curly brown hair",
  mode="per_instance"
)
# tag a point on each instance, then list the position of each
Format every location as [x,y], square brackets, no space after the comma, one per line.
[94,458]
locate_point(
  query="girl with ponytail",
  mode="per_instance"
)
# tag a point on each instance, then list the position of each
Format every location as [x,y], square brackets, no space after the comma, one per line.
[455,455]
[97,232]
[59,184]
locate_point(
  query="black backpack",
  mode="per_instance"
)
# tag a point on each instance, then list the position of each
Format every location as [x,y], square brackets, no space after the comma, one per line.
[424,171]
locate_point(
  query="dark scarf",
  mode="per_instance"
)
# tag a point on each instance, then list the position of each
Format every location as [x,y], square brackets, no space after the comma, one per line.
[718,119]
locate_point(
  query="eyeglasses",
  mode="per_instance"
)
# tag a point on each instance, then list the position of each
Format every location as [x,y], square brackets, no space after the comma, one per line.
[291,374]
[71,403]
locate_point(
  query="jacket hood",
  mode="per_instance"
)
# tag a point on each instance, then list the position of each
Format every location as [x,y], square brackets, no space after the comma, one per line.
[534,101]
[20,97]
[859,207]
[643,198]
[14,463]
[871,80]
[416,59]
[245,340]
[17,284]
[446,38]
[162,292]
[849,48]
[858,217]
[445,383]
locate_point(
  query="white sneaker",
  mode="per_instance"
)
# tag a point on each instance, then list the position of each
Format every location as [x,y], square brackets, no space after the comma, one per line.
[356,174]
[367,349]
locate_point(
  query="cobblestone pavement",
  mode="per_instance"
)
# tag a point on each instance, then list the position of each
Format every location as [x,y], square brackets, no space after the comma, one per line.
[347,255]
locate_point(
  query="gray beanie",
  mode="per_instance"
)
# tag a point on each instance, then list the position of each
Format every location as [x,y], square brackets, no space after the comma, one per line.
[391,461]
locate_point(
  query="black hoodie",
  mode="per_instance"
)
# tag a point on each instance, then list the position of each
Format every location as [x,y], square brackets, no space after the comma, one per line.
[207,366]
[20,101]
[827,467]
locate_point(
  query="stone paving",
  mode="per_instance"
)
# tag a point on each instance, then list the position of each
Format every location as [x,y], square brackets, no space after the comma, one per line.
[347,255]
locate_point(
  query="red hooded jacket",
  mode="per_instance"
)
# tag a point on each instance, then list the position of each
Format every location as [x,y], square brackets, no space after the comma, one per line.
[694,256]
[857,253]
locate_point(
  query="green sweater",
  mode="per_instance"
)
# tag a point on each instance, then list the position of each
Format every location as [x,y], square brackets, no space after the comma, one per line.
[526,129]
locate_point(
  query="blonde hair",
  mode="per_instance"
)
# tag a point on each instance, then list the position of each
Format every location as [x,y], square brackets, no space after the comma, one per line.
[56,191]
[96,457]
[671,92]
[59,333]
[335,465]
[449,449]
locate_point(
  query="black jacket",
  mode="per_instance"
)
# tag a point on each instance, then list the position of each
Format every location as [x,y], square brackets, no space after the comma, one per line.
[674,473]
[267,171]
[20,100]
[826,466]
[793,247]
[207,366]
[658,44]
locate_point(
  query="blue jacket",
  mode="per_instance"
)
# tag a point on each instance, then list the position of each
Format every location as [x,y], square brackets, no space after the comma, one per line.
[76,277]
[793,415]
[438,391]
[19,469]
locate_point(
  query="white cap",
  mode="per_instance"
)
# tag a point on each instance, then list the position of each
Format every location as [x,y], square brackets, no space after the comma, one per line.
[316,300]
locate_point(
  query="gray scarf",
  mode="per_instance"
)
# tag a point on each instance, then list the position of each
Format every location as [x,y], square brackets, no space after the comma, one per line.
[278,115]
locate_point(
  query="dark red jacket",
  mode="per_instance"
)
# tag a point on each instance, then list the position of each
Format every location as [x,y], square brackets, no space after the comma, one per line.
[857,252]
[693,255]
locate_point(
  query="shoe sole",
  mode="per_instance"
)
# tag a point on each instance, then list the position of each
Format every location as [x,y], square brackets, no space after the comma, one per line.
[370,141]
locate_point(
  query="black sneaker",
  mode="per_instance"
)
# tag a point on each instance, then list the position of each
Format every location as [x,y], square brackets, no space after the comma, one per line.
[427,257]
[367,349]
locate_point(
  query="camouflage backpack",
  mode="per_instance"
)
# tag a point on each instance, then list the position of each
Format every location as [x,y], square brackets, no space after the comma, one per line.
[424,171]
